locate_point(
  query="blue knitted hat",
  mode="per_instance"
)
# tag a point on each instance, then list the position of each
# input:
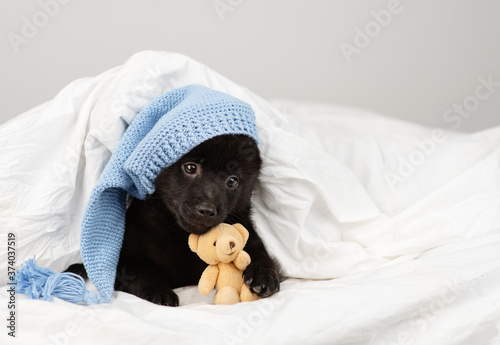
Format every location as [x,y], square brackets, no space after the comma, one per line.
[169,127]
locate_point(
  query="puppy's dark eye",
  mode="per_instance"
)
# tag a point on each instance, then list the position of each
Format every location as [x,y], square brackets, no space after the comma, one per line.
[215,243]
[232,182]
[190,168]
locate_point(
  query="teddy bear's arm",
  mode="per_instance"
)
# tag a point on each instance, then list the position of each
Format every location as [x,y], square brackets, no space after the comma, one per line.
[242,260]
[208,279]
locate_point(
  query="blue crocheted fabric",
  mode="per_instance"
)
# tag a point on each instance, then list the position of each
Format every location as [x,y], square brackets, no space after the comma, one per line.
[165,130]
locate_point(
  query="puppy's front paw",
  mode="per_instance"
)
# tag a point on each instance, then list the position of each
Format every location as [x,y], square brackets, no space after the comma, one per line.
[262,280]
[161,296]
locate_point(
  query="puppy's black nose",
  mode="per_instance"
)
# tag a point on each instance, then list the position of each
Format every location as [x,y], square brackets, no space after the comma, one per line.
[206,210]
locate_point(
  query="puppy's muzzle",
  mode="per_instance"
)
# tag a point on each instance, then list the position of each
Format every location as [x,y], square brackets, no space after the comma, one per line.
[206,211]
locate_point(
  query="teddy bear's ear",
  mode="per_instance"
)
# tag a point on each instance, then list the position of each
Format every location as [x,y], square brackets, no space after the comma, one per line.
[193,242]
[243,232]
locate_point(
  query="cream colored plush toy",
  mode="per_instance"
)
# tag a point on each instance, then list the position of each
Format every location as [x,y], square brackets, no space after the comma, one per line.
[222,249]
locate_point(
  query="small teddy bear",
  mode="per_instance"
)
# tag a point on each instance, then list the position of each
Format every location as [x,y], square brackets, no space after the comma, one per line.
[222,248]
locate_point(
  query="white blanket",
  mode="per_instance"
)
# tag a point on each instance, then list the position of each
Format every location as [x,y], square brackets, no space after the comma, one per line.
[406,219]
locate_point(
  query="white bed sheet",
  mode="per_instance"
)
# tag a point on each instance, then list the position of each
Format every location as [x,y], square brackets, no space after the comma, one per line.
[389,230]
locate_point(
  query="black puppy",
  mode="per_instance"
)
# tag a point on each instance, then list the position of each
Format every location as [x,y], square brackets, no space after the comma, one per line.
[211,184]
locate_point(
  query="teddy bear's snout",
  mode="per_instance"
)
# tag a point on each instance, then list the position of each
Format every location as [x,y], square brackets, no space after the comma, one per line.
[227,247]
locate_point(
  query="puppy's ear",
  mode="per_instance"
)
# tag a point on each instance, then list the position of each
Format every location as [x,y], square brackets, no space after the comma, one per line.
[243,232]
[193,242]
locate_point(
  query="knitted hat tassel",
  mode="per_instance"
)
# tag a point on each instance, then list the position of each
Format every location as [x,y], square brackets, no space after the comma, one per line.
[43,283]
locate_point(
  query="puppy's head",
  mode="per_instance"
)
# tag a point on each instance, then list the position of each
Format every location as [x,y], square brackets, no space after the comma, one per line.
[210,182]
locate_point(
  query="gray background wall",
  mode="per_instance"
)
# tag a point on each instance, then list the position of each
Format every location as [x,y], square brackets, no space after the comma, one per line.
[416,65]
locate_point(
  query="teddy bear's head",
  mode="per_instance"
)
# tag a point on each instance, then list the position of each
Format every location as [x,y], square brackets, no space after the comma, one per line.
[220,244]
